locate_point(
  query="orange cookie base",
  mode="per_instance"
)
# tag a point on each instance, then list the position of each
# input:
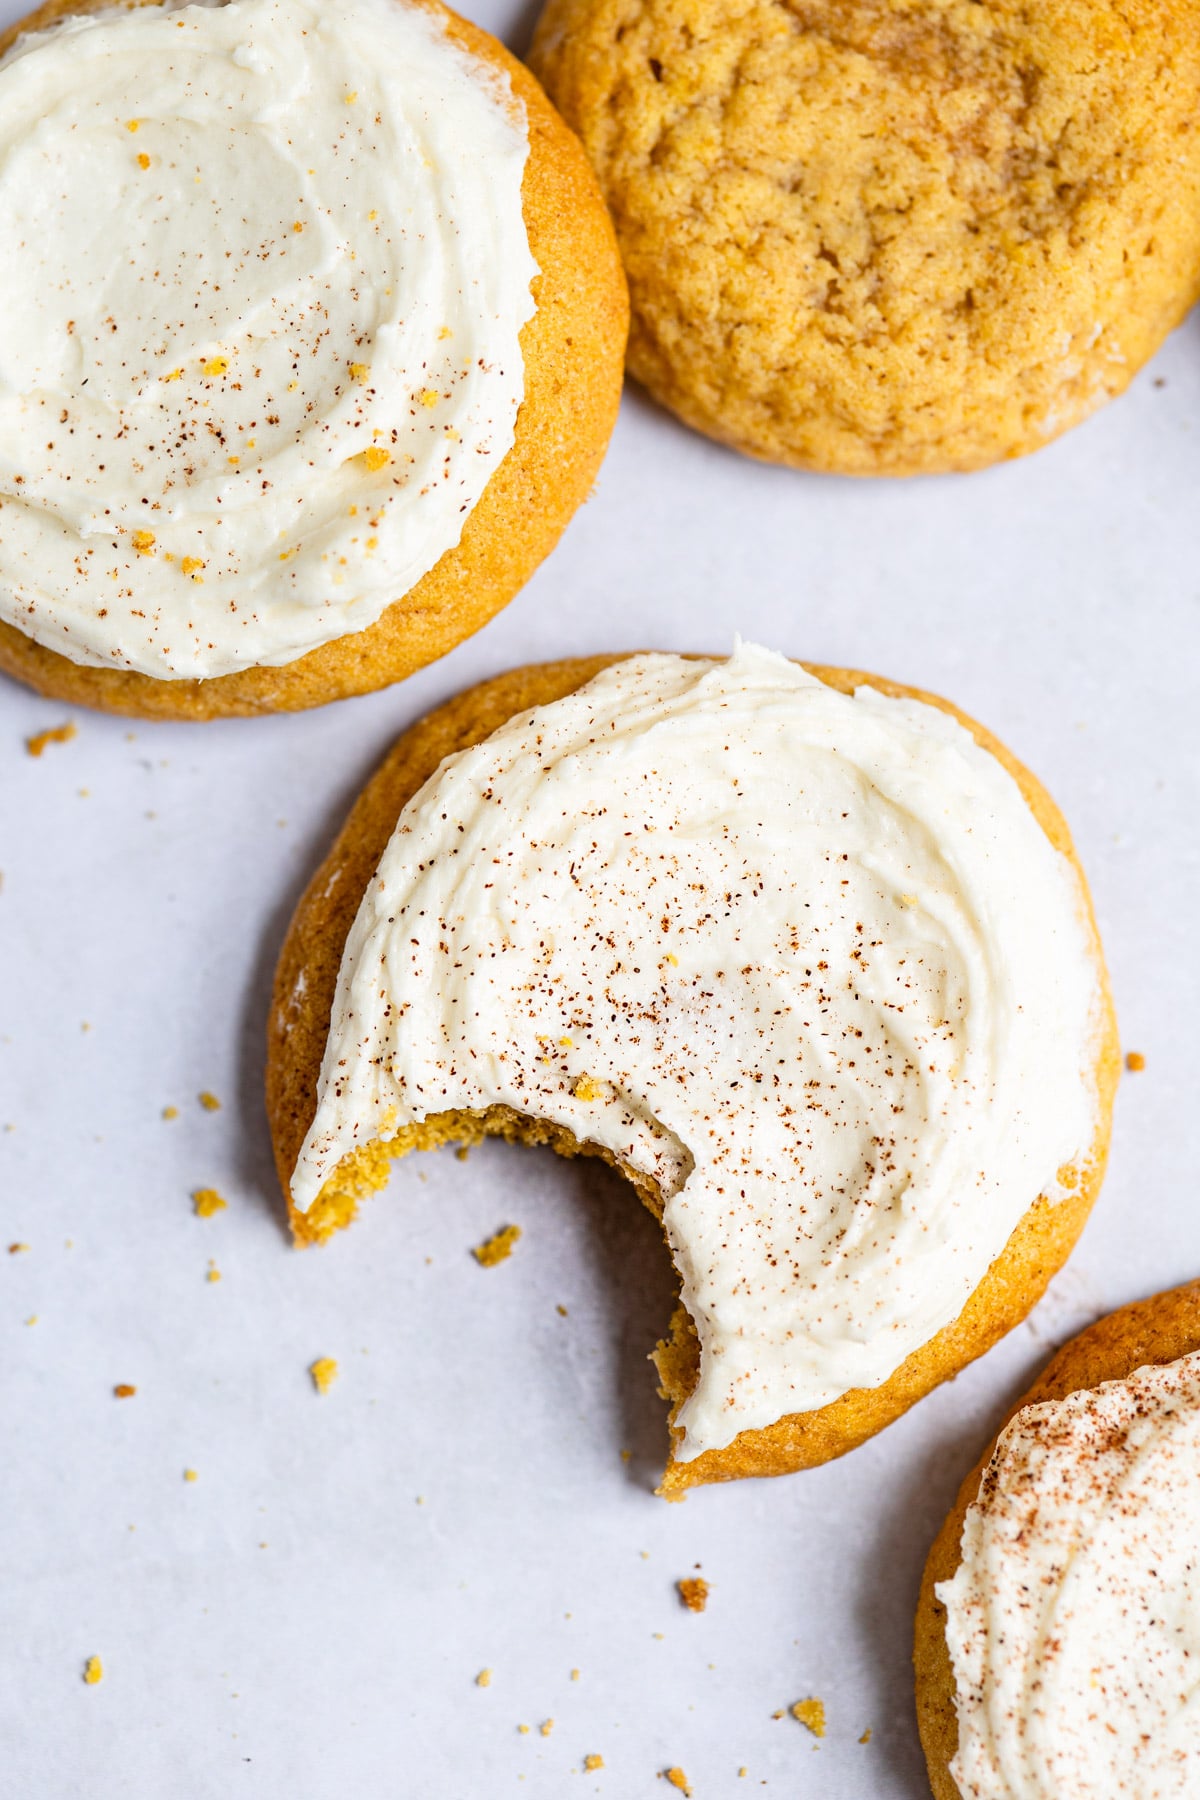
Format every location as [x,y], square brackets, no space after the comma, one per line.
[573,349]
[1158,1330]
[299,1024]
[890,237]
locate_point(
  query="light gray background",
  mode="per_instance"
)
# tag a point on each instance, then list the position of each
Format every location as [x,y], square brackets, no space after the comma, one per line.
[307,1619]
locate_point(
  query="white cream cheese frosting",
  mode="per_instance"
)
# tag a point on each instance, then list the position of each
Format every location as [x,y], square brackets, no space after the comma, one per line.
[805,959]
[264,274]
[1074,1616]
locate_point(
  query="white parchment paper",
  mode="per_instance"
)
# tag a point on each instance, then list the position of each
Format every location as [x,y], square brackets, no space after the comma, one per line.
[306,1619]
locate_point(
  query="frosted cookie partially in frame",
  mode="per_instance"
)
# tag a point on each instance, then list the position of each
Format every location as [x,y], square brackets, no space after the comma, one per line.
[805,954]
[1059,1622]
[311,332]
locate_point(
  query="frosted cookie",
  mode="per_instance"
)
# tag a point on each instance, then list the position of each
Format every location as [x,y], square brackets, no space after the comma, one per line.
[886,237]
[806,955]
[1059,1623]
[311,335]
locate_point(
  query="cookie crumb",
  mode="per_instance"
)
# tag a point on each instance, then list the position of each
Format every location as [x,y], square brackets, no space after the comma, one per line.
[170,1112]
[524,1730]
[693,1591]
[61,734]
[124,1391]
[462,1153]
[212,1273]
[93,1671]
[586,1089]
[209,1102]
[17,1249]
[546,1727]
[811,1713]
[679,1780]
[593,1762]
[574,1672]
[484,1678]
[495,1249]
[324,1373]
[207,1201]
[190,1475]
[1135,1062]
[866,1736]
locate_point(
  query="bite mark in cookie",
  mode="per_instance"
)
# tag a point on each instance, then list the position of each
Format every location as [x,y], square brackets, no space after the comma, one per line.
[827,968]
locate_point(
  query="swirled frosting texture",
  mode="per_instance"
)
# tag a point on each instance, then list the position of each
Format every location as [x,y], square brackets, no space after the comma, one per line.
[805,959]
[265,270]
[1074,1616]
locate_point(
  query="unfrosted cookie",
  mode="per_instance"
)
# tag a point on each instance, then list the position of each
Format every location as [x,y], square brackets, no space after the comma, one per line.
[310,357]
[748,934]
[890,236]
[1078,1595]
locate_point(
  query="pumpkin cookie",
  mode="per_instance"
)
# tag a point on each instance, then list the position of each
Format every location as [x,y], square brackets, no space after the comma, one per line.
[313,327]
[1059,1614]
[888,237]
[804,954]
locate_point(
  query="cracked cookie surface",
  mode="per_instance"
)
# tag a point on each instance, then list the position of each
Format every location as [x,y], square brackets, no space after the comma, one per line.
[890,236]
